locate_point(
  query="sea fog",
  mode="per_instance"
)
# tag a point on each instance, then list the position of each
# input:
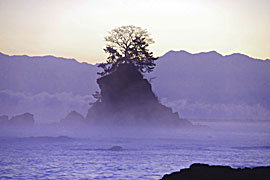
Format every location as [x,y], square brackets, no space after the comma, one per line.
[81,152]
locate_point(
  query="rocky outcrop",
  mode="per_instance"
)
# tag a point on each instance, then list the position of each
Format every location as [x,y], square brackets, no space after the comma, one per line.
[26,119]
[73,118]
[126,98]
[206,172]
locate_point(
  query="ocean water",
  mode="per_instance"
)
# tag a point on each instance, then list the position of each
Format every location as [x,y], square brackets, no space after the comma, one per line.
[143,157]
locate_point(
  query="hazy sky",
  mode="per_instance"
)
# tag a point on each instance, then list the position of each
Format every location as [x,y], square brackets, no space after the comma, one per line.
[76,28]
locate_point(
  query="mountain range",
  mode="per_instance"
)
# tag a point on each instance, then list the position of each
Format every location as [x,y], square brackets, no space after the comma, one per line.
[205,85]
[209,85]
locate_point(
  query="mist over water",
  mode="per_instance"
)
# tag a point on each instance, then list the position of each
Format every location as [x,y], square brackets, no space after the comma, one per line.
[84,152]
[138,134]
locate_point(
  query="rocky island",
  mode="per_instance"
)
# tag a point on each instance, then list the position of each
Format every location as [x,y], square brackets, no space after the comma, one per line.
[73,118]
[26,119]
[126,98]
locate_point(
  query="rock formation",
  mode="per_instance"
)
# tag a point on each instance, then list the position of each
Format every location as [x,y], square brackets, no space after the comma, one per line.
[25,119]
[206,172]
[73,118]
[126,98]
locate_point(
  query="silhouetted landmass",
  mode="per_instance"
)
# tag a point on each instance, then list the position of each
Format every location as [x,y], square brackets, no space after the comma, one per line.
[213,86]
[46,86]
[49,74]
[207,172]
[73,118]
[126,98]
[204,85]
[26,119]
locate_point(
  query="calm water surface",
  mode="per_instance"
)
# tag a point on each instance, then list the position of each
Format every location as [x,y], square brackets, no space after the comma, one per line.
[141,158]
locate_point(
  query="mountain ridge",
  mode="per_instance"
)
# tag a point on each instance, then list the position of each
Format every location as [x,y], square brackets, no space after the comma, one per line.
[205,85]
[171,51]
[212,52]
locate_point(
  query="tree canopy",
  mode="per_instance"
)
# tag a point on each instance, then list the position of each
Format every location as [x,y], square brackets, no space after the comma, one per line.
[128,44]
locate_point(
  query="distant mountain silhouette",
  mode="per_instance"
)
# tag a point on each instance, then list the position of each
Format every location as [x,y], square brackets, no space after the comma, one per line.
[209,85]
[46,74]
[202,85]
[47,86]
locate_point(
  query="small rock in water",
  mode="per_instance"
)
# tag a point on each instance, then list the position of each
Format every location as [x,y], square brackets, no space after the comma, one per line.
[116,148]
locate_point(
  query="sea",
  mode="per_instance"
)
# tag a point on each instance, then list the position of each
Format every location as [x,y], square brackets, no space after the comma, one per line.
[144,154]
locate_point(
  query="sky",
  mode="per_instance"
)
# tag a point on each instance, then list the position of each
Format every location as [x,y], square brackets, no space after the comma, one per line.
[76,28]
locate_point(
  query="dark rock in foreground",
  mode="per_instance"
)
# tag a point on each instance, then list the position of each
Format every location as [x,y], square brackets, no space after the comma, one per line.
[127,98]
[206,172]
